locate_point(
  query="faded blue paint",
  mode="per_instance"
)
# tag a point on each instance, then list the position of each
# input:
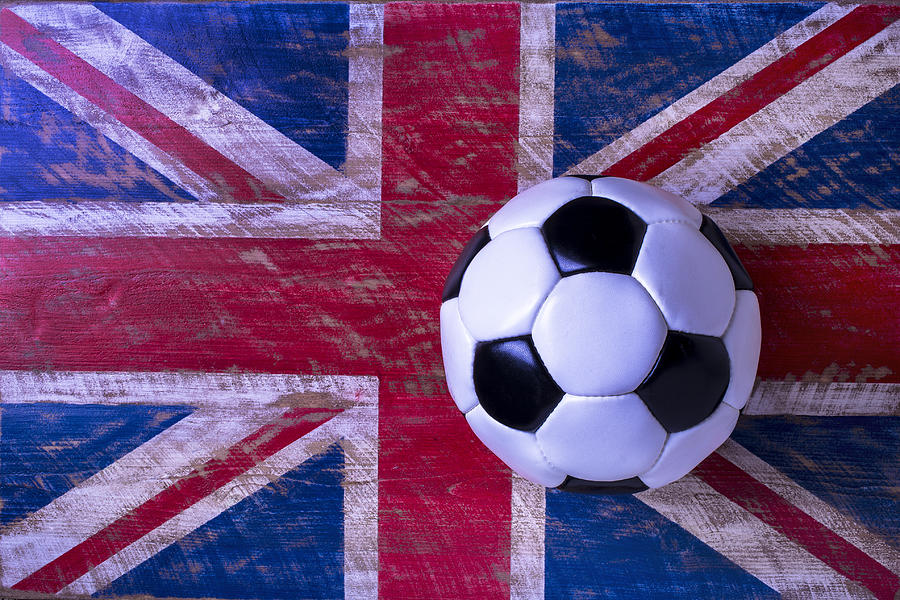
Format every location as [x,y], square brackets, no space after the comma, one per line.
[619,64]
[286,63]
[47,449]
[850,462]
[47,153]
[618,547]
[284,541]
[853,164]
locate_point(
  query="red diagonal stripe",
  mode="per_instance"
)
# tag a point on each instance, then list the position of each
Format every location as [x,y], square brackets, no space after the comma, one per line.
[230,180]
[836,552]
[200,483]
[750,96]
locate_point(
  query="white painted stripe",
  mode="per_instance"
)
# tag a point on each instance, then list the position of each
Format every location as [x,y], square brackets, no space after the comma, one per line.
[345,425]
[219,391]
[824,399]
[757,548]
[837,521]
[537,59]
[534,155]
[361,508]
[103,122]
[46,534]
[526,554]
[712,89]
[364,97]
[838,90]
[196,219]
[801,226]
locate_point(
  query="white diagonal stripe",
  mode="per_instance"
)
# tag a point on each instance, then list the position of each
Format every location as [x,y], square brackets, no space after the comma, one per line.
[712,89]
[802,226]
[344,425]
[838,90]
[104,123]
[333,205]
[836,521]
[163,83]
[760,550]
[319,220]
[824,399]
[28,544]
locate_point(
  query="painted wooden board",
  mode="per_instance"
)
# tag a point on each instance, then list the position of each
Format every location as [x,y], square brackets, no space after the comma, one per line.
[224,229]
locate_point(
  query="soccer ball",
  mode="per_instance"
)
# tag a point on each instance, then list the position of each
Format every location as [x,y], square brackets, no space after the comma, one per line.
[600,335]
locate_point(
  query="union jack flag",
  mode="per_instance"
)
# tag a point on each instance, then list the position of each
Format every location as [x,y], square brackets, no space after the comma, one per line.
[224,229]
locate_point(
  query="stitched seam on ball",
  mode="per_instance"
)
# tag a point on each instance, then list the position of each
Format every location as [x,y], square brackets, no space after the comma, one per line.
[664,221]
[658,456]
[477,404]
[537,443]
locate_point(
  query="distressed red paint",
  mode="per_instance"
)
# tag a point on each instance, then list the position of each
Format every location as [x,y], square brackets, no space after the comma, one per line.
[449,125]
[369,307]
[825,311]
[839,554]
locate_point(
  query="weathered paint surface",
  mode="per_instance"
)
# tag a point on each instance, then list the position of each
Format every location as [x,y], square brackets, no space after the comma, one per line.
[195,323]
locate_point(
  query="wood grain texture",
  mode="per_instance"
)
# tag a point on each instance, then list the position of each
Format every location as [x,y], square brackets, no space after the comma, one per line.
[824,312]
[450,124]
[839,522]
[145,304]
[836,399]
[679,108]
[784,517]
[98,304]
[747,541]
[803,226]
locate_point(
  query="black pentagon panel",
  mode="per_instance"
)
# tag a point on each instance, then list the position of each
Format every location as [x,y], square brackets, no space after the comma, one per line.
[587,177]
[454,279]
[711,231]
[594,234]
[585,486]
[512,383]
[688,381]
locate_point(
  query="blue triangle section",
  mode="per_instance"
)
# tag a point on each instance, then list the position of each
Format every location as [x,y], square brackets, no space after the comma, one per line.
[284,541]
[286,63]
[849,462]
[618,547]
[619,64]
[47,449]
[852,164]
[47,153]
